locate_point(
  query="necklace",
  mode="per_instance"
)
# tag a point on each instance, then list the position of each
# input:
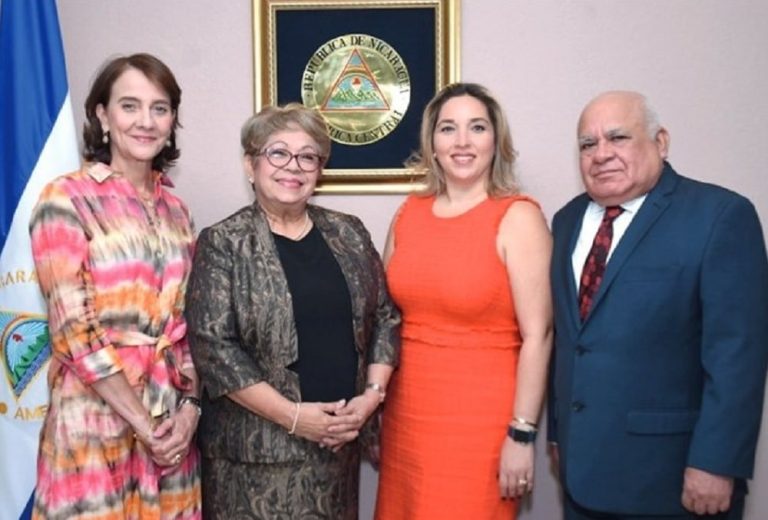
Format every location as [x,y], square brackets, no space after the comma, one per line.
[304,228]
[148,200]
[303,231]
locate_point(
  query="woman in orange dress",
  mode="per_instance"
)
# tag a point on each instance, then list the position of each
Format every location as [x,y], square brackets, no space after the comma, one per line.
[467,263]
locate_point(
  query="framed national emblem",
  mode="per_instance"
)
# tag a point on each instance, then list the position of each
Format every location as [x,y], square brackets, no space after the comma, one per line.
[369,67]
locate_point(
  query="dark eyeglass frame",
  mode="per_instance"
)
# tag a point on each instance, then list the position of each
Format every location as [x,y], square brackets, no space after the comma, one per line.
[289,156]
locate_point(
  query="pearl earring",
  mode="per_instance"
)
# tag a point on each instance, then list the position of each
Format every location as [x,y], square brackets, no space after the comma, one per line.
[105,137]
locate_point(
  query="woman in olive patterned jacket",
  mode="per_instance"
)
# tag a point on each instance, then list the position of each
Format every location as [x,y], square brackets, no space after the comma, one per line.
[293,334]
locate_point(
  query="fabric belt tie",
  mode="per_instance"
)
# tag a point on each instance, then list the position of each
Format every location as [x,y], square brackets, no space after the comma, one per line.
[165,365]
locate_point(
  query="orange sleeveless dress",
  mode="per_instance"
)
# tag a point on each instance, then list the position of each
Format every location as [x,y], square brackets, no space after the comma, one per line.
[450,401]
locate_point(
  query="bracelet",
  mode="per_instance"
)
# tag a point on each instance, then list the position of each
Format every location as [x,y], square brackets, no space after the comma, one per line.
[525,422]
[194,401]
[137,435]
[378,388]
[295,419]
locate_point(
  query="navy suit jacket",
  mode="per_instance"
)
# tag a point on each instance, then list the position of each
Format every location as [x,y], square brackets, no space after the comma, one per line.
[668,369]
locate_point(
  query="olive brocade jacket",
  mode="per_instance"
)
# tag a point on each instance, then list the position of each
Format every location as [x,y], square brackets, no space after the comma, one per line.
[241,326]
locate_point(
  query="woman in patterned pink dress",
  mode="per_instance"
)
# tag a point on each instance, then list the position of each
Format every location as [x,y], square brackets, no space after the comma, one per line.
[113,250]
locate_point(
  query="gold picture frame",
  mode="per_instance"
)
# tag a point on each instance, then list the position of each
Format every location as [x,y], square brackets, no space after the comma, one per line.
[291,36]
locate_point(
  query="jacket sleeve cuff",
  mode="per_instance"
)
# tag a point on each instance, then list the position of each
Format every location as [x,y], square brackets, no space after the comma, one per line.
[98,365]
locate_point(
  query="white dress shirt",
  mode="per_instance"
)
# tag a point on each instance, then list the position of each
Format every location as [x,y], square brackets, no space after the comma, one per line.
[593,216]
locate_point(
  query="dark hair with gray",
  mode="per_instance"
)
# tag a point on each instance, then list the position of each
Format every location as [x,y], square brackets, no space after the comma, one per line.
[502,178]
[160,75]
[294,116]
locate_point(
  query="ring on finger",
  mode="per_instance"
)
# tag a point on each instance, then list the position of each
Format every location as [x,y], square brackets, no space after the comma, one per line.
[177,458]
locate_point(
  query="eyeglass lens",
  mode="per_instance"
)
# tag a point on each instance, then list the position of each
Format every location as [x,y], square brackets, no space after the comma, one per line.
[280,157]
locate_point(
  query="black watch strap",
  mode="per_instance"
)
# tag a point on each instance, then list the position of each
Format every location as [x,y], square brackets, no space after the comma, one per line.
[521,436]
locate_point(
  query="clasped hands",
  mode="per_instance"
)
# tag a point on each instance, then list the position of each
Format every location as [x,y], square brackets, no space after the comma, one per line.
[168,442]
[333,425]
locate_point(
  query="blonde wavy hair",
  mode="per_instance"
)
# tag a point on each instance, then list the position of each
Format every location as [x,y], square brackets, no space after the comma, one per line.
[502,180]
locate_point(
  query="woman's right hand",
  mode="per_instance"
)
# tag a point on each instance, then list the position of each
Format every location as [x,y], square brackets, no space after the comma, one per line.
[171,438]
[153,440]
[316,419]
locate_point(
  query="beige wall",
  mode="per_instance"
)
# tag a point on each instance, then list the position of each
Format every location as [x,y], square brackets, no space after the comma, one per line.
[701,62]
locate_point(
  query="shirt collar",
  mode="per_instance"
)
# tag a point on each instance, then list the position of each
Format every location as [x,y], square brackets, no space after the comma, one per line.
[631,206]
[100,172]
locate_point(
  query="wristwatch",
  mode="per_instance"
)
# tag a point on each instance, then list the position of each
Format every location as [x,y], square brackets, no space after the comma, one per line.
[521,436]
[190,399]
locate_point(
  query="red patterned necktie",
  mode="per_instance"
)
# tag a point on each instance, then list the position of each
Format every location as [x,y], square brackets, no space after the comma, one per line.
[594,267]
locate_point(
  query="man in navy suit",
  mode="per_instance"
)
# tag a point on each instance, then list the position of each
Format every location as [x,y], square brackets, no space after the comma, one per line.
[659,367]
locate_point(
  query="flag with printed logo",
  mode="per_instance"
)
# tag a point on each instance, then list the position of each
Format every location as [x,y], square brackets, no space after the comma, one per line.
[37,138]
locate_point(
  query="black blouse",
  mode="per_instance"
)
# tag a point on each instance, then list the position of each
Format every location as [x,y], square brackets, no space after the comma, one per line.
[327,364]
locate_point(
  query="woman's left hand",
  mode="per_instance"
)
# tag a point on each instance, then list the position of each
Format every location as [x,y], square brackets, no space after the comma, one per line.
[176,433]
[515,469]
[360,409]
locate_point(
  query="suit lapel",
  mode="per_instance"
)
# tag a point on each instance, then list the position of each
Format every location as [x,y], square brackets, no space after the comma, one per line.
[343,249]
[655,204]
[265,255]
[571,233]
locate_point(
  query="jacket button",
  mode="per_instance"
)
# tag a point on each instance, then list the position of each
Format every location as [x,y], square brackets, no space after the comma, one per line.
[580,350]
[577,406]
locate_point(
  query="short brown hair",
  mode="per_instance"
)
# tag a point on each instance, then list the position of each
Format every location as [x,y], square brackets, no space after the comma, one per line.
[258,128]
[502,179]
[160,75]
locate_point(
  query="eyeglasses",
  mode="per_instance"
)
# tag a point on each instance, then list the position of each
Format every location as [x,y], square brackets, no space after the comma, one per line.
[280,158]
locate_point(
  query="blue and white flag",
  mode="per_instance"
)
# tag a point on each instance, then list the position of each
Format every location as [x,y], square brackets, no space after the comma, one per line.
[37,138]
